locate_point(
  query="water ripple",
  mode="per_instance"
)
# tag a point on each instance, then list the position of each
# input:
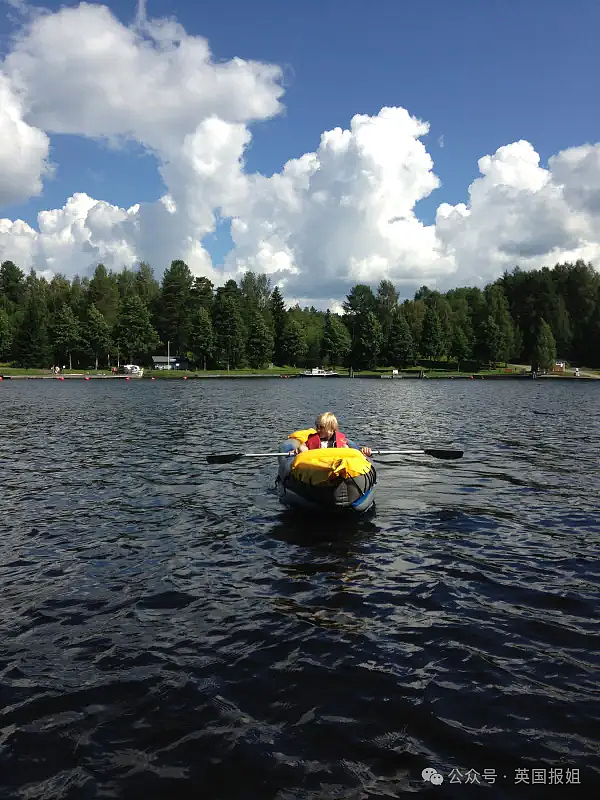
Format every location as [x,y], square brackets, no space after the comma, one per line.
[169,630]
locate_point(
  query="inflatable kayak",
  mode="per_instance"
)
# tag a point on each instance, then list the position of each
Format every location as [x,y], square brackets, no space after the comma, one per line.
[330,479]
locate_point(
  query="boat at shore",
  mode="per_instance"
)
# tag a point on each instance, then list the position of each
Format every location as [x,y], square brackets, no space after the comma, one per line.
[330,480]
[132,370]
[319,372]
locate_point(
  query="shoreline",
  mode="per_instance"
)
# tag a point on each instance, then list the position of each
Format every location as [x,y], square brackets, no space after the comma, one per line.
[262,376]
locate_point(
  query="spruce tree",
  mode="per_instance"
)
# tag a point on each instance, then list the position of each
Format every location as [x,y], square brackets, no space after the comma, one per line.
[400,346]
[6,334]
[336,343]
[278,316]
[65,334]
[432,337]
[293,342]
[133,332]
[259,347]
[12,284]
[201,335]
[544,349]
[366,341]
[173,316]
[146,286]
[97,333]
[229,331]
[32,346]
[202,295]
[103,292]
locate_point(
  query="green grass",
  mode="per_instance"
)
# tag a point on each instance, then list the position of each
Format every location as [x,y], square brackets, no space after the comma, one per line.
[6,370]
[512,369]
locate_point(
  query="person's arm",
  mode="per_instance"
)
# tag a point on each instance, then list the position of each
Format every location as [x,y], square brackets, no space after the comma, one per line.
[289,447]
[366,451]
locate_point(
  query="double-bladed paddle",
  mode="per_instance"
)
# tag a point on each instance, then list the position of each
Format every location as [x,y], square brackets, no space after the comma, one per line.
[229,458]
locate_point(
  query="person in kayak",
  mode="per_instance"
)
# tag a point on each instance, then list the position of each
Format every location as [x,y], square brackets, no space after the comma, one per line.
[329,435]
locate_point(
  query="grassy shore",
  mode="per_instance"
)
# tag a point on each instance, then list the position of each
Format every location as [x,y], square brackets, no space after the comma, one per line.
[511,371]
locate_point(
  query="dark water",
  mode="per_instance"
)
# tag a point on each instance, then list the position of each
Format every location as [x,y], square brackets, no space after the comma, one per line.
[169,631]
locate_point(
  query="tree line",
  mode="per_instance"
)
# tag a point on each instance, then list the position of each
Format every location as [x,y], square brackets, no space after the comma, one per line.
[528,317]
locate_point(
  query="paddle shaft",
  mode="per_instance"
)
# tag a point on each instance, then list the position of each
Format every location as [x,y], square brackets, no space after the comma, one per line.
[228,458]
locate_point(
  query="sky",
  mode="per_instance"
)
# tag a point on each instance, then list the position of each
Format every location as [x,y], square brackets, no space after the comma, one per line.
[322,142]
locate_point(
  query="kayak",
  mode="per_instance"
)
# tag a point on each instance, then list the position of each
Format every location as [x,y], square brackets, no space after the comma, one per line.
[326,480]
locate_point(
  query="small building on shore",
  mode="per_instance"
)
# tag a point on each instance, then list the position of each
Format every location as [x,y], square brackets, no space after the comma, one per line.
[170,362]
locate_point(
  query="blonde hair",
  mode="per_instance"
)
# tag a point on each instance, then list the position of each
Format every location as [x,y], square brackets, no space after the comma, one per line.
[327,421]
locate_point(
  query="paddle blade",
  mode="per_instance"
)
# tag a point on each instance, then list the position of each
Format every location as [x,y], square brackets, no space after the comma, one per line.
[224,458]
[447,454]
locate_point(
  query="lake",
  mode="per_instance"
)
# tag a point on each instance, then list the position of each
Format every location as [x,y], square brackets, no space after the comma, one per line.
[169,630]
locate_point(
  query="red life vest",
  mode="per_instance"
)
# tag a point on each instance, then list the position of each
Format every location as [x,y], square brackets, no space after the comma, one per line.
[314,441]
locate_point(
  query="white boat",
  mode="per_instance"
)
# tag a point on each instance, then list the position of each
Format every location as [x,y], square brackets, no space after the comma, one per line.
[318,372]
[133,370]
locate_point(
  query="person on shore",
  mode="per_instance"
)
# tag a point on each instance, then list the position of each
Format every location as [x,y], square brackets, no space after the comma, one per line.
[329,435]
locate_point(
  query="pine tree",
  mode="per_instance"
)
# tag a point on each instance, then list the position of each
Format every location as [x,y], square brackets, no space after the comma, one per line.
[256,291]
[202,295]
[293,342]
[58,294]
[65,334]
[173,318]
[6,334]
[32,348]
[500,313]
[201,335]
[336,343]
[461,346]
[462,338]
[97,333]
[133,332]
[146,286]
[414,311]
[229,331]
[103,292]
[400,345]
[278,316]
[432,337]
[387,302]
[260,341]
[492,343]
[127,283]
[366,341]
[12,284]
[360,300]
[544,349]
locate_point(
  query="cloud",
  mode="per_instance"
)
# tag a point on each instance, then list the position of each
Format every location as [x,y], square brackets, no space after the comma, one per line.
[341,214]
[23,150]
[520,213]
[344,213]
[83,72]
[80,71]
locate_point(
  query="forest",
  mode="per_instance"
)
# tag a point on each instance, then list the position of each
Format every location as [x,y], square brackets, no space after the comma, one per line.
[528,317]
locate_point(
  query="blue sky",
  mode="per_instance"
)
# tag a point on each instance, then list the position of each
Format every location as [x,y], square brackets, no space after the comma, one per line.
[483,74]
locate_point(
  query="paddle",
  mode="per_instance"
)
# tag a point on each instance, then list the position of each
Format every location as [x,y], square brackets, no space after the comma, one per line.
[435,452]
[229,458]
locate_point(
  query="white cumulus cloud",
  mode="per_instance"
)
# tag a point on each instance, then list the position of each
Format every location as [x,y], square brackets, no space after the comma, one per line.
[80,71]
[520,213]
[345,213]
[23,149]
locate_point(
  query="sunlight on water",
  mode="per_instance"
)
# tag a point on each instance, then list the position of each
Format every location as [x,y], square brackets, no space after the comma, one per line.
[167,625]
